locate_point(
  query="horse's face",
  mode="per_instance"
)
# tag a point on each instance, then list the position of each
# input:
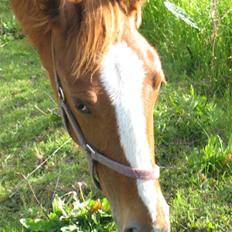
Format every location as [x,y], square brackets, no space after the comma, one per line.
[115,110]
[114,107]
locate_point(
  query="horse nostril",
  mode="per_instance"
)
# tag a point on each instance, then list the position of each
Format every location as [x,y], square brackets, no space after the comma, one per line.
[145,228]
[130,229]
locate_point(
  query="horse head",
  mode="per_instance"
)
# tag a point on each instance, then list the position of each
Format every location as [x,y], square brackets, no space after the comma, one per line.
[110,76]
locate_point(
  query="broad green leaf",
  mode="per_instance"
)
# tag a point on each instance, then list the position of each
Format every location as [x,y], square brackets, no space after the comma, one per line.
[69,228]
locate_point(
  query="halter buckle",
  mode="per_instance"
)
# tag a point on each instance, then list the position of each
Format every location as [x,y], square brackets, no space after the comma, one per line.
[61,93]
[90,149]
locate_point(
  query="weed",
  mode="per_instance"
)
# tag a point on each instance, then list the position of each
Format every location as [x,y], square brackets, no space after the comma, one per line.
[70,214]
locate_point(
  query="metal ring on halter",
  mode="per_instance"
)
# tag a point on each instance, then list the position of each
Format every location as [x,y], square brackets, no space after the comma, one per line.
[61,94]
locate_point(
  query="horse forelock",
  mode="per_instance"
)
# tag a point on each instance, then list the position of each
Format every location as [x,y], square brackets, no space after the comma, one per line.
[89,26]
[101,25]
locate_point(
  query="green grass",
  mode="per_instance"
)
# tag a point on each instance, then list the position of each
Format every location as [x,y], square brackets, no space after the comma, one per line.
[193,123]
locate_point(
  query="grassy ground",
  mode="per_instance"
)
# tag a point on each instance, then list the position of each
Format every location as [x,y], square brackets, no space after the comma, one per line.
[193,122]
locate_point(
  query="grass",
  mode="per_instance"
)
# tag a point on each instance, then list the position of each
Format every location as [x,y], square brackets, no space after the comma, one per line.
[193,124]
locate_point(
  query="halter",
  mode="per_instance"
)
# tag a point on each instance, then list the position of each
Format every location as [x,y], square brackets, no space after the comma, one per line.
[93,155]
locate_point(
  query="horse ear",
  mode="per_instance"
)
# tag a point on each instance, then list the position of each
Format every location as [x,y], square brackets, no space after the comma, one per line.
[132,8]
[130,5]
[59,12]
[38,17]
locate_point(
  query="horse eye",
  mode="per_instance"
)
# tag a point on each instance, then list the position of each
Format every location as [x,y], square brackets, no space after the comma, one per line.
[81,107]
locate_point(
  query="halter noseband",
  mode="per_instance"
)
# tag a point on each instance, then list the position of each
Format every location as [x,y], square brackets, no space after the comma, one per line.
[93,155]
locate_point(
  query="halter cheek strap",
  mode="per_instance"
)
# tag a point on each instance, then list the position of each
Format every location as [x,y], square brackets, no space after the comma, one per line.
[93,155]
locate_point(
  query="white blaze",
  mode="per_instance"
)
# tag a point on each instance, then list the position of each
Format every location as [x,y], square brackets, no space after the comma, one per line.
[123,77]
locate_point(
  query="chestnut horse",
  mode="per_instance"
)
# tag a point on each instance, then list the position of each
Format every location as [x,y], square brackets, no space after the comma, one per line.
[106,78]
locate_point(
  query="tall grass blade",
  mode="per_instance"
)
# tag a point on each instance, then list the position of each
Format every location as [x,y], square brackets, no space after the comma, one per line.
[180,13]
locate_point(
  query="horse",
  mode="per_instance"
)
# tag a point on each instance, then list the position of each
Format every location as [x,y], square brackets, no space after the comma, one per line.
[106,78]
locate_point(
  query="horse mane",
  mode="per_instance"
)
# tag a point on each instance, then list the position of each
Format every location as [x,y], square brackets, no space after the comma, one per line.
[89,28]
